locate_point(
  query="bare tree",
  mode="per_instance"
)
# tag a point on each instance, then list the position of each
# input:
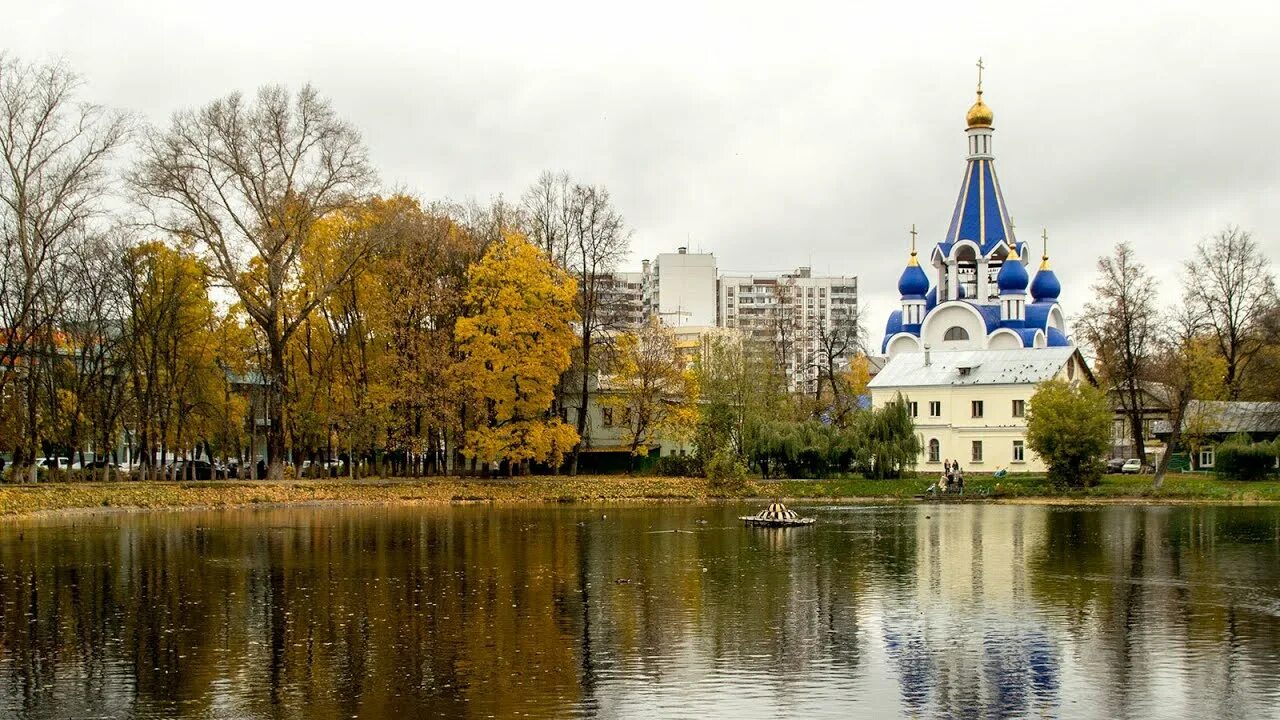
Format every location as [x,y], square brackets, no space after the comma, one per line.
[1121,326]
[598,239]
[55,153]
[1229,284]
[548,204]
[839,340]
[248,181]
[1185,368]
[94,321]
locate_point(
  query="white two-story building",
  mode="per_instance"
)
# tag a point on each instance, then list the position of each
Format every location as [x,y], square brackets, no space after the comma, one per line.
[971,405]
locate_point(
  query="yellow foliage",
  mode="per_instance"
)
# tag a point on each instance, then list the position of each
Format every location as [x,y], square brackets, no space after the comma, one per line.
[652,388]
[858,375]
[515,341]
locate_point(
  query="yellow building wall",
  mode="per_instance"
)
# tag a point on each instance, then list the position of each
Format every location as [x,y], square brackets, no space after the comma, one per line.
[956,429]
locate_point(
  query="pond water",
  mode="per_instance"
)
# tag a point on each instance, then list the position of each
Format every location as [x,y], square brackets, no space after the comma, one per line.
[643,612]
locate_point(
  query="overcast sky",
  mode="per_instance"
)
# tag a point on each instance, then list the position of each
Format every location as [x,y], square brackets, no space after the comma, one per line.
[778,135]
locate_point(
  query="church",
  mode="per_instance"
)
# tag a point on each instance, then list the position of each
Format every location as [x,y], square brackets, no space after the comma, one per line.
[968,347]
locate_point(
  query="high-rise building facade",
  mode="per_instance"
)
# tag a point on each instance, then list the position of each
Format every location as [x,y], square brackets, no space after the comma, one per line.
[622,299]
[680,288]
[811,321]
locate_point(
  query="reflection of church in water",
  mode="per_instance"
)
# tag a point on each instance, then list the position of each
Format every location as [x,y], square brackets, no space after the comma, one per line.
[963,640]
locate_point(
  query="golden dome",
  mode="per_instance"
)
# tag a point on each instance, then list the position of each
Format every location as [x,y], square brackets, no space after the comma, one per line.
[980,114]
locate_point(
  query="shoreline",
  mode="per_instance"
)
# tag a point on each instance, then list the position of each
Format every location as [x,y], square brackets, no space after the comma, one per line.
[72,499]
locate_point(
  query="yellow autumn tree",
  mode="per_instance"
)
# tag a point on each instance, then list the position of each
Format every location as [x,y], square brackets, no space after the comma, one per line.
[651,389]
[515,343]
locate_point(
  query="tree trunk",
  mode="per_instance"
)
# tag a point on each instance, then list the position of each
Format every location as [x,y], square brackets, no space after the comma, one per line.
[584,401]
[1135,423]
[275,425]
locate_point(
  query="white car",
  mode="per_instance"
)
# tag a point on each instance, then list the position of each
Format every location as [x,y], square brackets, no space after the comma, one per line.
[1132,466]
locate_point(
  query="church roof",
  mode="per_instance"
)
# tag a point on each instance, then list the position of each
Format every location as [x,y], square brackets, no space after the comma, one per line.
[980,214]
[973,367]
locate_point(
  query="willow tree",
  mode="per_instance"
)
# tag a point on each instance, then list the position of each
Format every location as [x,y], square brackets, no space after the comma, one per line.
[248,180]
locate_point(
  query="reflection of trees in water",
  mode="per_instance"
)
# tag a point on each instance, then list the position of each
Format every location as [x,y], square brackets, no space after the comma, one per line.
[546,611]
[749,599]
[294,612]
[474,611]
[1167,603]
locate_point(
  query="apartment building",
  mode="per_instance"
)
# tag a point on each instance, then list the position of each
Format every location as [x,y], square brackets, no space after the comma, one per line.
[796,311]
[679,288]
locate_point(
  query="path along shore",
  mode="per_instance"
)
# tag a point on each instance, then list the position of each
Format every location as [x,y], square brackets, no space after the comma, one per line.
[79,496]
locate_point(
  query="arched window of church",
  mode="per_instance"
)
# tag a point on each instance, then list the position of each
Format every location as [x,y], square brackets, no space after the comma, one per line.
[935,450]
[956,333]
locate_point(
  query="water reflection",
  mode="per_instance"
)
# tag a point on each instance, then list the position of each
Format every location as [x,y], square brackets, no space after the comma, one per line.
[673,611]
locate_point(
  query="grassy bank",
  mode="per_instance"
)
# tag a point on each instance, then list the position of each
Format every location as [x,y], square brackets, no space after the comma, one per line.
[21,499]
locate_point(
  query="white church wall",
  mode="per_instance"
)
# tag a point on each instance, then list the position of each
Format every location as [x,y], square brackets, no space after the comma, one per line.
[1004,339]
[954,315]
[903,343]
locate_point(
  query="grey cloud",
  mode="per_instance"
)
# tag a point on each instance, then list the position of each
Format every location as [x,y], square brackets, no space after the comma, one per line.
[775,135]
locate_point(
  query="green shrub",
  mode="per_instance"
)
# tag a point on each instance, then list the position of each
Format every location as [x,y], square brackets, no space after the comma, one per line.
[1240,461]
[678,466]
[726,471]
[1069,426]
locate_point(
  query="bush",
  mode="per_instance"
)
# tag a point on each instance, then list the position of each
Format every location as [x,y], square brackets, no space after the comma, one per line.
[1069,426]
[1245,461]
[678,466]
[726,471]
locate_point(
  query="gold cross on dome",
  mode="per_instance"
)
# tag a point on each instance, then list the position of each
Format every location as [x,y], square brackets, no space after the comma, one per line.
[980,69]
[1044,237]
[913,238]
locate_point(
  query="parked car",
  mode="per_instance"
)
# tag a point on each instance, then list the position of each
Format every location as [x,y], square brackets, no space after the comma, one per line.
[1115,465]
[194,470]
[102,464]
[56,463]
[1132,466]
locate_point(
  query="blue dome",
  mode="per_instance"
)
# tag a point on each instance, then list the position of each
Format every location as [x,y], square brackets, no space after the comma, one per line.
[1046,286]
[1013,276]
[1057,339]
[891,328]
[913,283]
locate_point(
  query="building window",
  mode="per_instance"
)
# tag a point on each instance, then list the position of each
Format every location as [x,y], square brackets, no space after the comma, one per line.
[935,408]
[977,451]
[1019,408]
[1206,458]
[935,450]
[915,408]
[956,333]
[1018,451]
[606,415]
[976,406]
